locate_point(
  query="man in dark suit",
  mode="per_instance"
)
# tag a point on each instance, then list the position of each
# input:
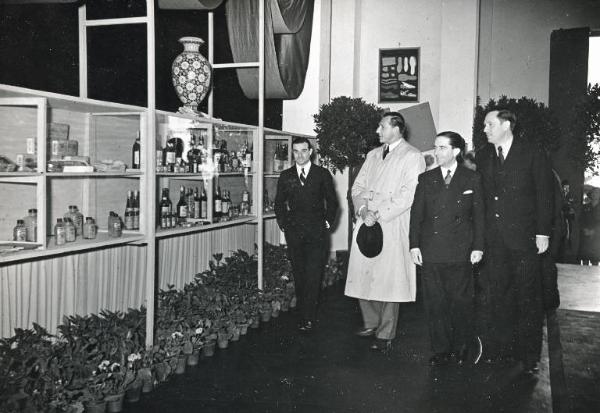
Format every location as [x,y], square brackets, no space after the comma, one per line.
[446,239]
[306,206]
[517,187]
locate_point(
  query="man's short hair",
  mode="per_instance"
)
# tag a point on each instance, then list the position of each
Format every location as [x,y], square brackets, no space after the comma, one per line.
[507,115]
[396,119]
[456,141]
[301,139]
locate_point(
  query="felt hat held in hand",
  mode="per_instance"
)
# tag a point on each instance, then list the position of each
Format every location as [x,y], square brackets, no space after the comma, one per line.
[370,240]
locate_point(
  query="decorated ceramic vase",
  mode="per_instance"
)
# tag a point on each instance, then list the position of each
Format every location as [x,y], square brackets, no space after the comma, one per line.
[191,74]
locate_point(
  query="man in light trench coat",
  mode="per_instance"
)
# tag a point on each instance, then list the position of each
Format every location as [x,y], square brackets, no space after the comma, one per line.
[383,192]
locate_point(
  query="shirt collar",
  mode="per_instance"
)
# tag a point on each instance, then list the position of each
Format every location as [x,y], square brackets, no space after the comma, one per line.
[452,170]
[392,146]
[505,147]
[306,168]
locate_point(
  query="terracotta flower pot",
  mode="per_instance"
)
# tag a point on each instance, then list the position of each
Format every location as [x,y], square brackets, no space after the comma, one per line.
[243,329]
[285,306]
[275,313]
[255,322]
[265,316]
[235,336]
[192,359]
[95,406]
[223,343]
[134,393]
[114,403]
[181,362]
[208,350]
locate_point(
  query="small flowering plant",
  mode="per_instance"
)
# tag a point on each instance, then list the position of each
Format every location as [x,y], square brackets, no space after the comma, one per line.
[96,386]
[119,377]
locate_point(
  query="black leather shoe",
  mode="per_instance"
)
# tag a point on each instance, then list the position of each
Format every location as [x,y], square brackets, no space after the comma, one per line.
[306,326]
[366,332]
[381,344]
[530,367]
[439,359]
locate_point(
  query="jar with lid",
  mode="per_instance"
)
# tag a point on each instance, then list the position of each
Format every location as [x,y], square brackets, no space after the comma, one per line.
[20,231]
[115,228]
[31,224]
[89,228]
[70,231]
[76,218]
[60,234]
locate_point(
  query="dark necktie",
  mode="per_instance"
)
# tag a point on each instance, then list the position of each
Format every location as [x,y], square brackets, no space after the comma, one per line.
[448,177]
[500,155]
[302,176]
[386,150]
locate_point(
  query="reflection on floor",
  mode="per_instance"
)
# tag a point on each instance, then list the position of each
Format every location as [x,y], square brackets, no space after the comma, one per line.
[279,369]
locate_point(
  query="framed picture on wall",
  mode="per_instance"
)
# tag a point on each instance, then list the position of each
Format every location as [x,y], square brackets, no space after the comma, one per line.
[399,74]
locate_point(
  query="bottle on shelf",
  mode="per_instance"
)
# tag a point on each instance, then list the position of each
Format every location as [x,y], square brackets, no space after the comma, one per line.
[70,231]
[245,204]
[203,204]
[248,159]
[20,231]
[217,205]
[165,209]
[60,234]
[77,218]
[128,221]
[182,206]
[197,211]
[135,152]
[31,225]
[169,156]
[89,228]
[225,204]
[115,228]
[189,198]
[194,157]
[234,162]
[136,209]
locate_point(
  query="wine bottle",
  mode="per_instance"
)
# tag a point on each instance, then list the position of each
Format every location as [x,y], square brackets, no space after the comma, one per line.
[136,209]
[203,204]
[197,205]
[165,209]
[225,204]
[182,207]
[169,155]
[218,205]
[189,198]
[129,211]
[135,153]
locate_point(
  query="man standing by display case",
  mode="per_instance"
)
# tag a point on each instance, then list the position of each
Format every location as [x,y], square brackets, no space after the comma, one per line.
[306,206]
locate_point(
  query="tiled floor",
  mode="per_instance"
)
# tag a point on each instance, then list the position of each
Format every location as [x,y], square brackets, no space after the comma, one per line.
[278,369]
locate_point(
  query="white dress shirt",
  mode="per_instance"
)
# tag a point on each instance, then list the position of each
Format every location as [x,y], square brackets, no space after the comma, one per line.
[305,167]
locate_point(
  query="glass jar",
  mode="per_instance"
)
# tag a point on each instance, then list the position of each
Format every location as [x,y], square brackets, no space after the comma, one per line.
[70,231]
[60,234]
[31,225]
[89,228]
[20,231]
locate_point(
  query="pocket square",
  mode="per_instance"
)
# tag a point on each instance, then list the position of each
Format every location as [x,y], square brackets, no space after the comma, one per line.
[467,192]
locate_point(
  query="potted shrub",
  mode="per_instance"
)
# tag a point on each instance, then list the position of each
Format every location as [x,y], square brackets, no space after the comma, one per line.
[118,379]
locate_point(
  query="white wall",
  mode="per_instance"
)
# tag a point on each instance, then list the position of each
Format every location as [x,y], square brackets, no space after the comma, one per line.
[446,32]
[514,52]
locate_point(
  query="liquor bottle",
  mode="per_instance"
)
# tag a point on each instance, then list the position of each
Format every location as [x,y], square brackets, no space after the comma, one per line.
[178,145]
[60,235]
[182,206]
[135,152]
[218,205]
[225,204]
[129,211]
[20,231]
[165,209]
[203,204]
[190,202]
[193,157]
[136,209]
[245,204]
[169,156]
[248,159]
[197,205]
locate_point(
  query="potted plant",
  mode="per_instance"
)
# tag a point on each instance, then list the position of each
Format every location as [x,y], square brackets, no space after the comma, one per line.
[118,379]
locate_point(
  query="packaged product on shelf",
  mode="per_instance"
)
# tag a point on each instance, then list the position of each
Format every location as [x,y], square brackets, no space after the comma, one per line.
[225,204]
[182,206]
[136,209]
[26,162]
[203,204]
[164,211]
[70,232]
[128,221]
[115,228]
[20,231]
[89,228]
[60,234]
[76,217]
[31,145]
[197,211]
[245,204]
[31,224]
[189,198]
[217,205]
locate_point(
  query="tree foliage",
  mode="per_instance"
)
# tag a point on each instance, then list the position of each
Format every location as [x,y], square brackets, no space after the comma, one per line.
[585,131]
[345,130]
[535,121]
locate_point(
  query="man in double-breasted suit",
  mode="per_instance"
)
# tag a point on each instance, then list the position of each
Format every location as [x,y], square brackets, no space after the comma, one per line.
[446,238]
[306,206]
[517,187]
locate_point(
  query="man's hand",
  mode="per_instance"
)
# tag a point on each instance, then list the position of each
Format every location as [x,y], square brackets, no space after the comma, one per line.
[416,256]
[476,256]
[370,218]
[542,243]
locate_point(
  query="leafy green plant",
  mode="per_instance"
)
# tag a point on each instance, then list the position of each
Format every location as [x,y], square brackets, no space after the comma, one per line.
[535,121]
[345,130]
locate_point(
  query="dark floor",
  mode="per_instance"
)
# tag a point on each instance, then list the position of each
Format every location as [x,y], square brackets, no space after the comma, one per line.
[278,369]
